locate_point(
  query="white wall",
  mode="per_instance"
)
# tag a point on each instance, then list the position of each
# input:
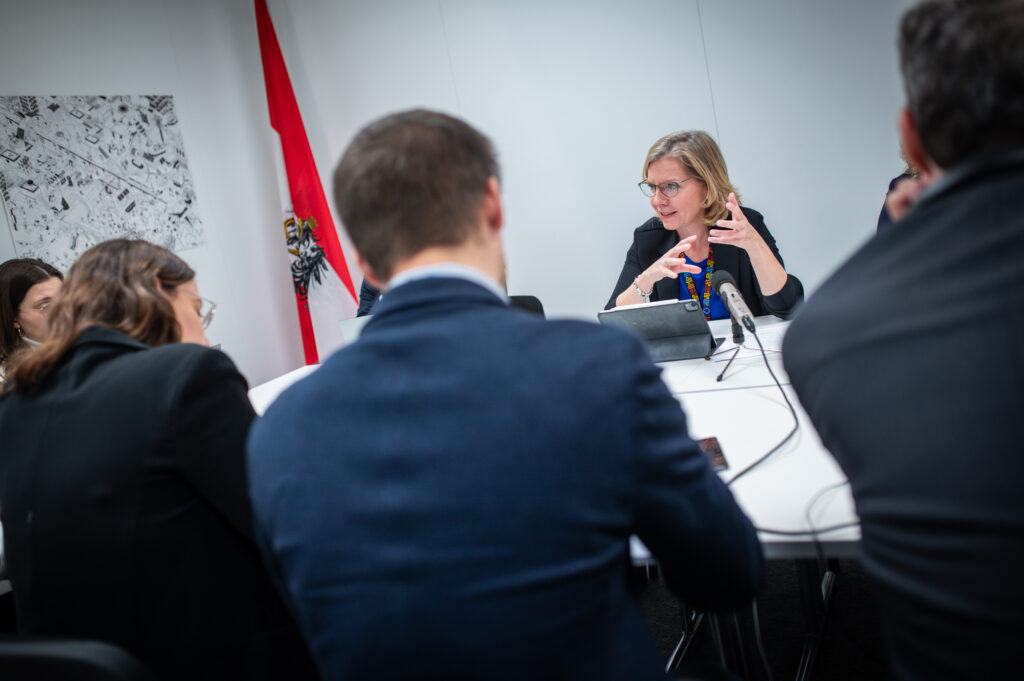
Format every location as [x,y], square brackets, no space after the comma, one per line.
[206,54]
[807,94]
[801,94]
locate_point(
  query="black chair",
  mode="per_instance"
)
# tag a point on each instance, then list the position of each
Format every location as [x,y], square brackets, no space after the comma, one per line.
[528,303]
[56,659]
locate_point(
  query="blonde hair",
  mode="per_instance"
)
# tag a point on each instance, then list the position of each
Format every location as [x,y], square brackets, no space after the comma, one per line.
[701,159]
[120,284]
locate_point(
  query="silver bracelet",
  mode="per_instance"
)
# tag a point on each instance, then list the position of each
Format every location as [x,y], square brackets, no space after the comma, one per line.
[636,287]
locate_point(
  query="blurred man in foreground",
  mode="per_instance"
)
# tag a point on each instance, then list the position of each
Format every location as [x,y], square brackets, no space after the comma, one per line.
[909,358]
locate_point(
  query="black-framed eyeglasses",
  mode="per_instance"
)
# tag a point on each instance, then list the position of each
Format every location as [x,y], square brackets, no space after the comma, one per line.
[667,189]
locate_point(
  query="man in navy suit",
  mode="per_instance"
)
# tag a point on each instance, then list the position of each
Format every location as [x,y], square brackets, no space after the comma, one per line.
[452,495]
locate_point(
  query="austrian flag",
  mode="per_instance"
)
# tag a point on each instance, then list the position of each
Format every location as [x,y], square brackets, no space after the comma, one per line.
[323,287]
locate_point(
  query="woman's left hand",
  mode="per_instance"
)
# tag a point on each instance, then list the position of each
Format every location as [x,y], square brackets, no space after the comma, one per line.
[771,276]
[740,232]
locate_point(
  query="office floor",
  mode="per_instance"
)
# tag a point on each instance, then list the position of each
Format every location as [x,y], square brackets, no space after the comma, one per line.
[851,649]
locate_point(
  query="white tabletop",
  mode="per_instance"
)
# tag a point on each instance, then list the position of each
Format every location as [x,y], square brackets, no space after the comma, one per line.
[263,395]
[800,487]
[747,370]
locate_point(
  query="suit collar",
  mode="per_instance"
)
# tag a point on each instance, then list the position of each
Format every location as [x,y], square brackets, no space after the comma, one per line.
[449,270]
[433,295]
[972,170]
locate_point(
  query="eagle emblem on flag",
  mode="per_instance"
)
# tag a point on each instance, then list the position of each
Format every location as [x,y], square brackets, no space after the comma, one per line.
[310,261]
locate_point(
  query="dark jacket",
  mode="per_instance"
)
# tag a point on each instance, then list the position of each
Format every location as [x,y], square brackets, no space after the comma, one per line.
[125,513]
[909,362]
[452,496]
[368,297]
[651,241]
[884,219]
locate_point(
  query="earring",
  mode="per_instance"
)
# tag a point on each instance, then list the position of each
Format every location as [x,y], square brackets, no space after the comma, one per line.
[18,329]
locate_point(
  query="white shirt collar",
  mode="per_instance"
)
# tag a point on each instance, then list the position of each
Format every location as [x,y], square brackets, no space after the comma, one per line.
[451,270]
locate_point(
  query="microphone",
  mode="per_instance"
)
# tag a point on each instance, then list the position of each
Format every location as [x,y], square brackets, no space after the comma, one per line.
[725,287]
[737,333]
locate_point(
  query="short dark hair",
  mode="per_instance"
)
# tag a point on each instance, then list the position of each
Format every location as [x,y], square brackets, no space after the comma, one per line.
[963,70]
[17,276]
[410,181]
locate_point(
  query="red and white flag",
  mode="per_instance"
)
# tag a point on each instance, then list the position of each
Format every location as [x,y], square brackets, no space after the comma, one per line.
[324,290]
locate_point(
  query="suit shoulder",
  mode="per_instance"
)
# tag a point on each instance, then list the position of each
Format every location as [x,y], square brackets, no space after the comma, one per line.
[652,225]
[752,213]
[188,352]
[182,361]
[579,334]
[755,217]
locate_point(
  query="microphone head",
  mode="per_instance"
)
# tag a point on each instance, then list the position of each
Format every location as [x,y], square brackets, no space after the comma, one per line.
[721,277]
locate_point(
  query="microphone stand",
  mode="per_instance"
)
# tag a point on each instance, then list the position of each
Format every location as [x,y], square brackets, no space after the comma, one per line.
[737,338]
[735,352]
[737,333]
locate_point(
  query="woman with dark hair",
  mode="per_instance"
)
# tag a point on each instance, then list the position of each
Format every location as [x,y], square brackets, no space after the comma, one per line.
[699,227]
[27,287]
[122,482]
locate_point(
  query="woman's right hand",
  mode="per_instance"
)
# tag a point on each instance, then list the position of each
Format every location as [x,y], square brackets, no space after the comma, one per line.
[668,265]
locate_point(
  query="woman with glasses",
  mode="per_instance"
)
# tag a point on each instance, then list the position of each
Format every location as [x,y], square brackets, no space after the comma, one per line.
[698,228]
[27,286]
[122,481]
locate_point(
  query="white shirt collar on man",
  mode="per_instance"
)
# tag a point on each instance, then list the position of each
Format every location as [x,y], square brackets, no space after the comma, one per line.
[450,270]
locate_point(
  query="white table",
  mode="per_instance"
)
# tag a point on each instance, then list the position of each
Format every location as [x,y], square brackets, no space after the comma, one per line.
[800,487]
[263,395]
[797,489]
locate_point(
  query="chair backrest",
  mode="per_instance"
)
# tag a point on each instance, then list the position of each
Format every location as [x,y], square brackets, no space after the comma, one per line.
[55,659]
[528,303]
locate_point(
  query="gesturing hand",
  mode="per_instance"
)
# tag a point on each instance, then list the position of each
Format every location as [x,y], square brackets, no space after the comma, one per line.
[739,232]
[903,196]
[669,265]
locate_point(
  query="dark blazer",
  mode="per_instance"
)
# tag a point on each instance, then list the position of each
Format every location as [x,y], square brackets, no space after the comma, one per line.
[451,496]
[126,517]
[368,297]
[884,219]
[909,361]
[651,241]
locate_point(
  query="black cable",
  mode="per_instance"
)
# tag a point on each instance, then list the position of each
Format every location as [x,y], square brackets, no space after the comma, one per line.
[796,421]
[804,533]
[818,549]
[759,641]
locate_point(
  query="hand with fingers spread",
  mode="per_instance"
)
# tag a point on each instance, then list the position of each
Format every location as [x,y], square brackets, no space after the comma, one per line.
[668,265]
[738,231]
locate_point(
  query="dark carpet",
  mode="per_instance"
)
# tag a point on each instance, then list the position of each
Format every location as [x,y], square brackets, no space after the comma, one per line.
[850,649]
